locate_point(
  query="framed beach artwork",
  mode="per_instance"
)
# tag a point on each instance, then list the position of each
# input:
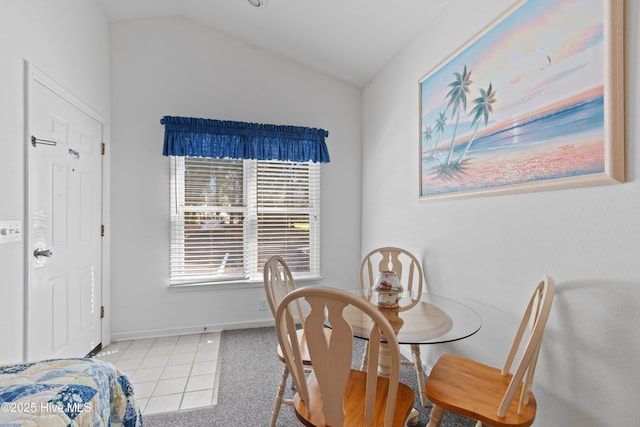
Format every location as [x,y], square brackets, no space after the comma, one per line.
[534,102]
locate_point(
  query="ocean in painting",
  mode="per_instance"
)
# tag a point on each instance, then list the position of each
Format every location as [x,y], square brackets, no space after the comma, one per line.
[562,141]
[532,86]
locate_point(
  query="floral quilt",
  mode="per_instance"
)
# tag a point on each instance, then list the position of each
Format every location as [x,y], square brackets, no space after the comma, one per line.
[78,392]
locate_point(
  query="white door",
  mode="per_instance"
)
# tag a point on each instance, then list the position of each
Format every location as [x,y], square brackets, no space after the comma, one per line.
[64,243]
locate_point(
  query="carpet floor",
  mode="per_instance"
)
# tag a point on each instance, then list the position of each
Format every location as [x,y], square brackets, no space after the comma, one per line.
[249,377]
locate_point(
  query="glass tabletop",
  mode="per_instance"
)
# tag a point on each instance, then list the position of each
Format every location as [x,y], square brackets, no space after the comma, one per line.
[420,319]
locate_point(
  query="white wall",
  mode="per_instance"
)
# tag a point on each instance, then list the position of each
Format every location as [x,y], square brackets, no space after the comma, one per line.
[68,41]
[491,251]
[180,68]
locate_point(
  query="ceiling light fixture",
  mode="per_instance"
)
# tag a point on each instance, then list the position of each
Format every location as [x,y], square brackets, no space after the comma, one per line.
[256,3]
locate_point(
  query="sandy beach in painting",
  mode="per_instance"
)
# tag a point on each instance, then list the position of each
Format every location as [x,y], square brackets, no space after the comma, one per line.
[551,160]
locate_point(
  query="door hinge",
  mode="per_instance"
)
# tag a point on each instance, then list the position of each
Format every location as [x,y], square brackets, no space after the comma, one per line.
[102,230]
[103,148]
[102,311]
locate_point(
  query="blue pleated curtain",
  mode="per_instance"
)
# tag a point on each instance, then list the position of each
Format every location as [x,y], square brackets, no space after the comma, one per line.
[220,139]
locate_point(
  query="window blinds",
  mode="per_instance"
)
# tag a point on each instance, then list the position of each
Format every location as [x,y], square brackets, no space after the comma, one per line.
[287,208]
[229,216]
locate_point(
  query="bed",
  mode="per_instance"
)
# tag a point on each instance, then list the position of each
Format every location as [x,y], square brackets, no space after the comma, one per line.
[71,392]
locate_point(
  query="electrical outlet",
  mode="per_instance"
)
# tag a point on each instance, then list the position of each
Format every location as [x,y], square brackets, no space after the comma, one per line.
[262,305]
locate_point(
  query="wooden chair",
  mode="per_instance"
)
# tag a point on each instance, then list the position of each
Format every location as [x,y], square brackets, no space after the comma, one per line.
[409,272]
[333,394]
[278,282]
[490,395]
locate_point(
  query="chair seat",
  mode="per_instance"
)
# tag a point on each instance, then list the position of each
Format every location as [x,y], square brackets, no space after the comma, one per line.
[475,390]
[311,415]
[306,359]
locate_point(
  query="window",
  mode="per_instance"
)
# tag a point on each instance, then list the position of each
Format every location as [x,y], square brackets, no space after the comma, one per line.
[240,193]
[228,216]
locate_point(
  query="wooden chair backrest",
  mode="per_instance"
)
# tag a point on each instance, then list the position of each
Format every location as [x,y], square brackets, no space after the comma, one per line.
[527,343]
[278,282]
[332,355]
[392,259]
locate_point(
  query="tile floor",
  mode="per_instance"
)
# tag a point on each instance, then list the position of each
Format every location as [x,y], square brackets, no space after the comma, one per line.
[169,373]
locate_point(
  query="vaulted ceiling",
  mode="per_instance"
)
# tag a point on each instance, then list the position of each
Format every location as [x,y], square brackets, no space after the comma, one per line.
[348,39]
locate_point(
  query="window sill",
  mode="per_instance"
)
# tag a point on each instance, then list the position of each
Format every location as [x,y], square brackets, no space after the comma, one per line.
[232,284]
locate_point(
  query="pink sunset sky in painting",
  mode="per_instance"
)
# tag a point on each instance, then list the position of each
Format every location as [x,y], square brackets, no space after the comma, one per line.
[541,55]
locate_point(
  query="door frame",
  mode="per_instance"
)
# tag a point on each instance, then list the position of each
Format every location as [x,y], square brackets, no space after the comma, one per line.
[34,75]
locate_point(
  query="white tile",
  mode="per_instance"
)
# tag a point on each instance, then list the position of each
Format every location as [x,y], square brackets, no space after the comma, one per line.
[209,347]
[144,389]
[169,373]
[175,371]
[134,353]
[184,339]
[163,350]
[180,358]
[145,343]
[212,335]
[200,382]
[118,345]
[200,368]
[146,374]
[190,347]
[108,357]
[170,386]
[164,341]
[128,365]
[210,340]
[197,399]
[168,403]
[203,356]
[154,361]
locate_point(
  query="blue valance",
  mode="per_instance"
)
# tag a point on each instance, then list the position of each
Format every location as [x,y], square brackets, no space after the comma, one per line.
[193,137]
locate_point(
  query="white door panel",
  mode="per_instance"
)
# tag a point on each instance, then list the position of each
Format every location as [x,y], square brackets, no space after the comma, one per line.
[59,308]
[65,211]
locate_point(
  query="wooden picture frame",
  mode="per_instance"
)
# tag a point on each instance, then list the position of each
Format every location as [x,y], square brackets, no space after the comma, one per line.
[534,102]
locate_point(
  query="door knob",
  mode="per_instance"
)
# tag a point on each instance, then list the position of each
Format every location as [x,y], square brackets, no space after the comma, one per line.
[42,253]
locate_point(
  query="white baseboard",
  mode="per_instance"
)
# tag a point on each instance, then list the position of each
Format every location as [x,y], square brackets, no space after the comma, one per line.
[187,330]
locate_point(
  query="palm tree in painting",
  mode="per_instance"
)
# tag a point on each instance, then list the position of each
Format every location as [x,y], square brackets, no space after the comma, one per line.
[482,108]
[426,138]
[458,99]
[439,127]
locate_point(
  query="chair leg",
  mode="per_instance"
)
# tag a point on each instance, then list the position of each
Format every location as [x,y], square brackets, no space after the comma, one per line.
[417,361]
[436,416]
[279,396]
[412,419]
[365,360]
